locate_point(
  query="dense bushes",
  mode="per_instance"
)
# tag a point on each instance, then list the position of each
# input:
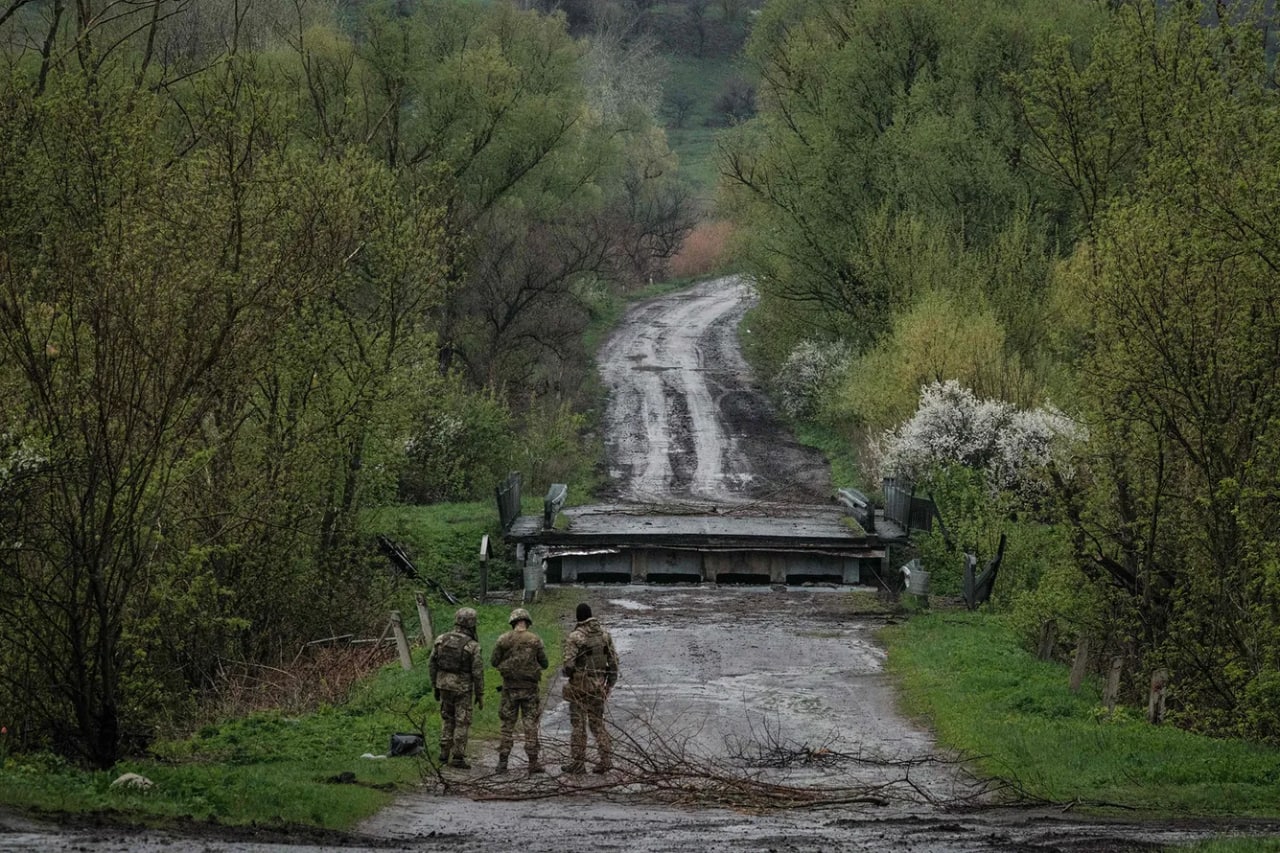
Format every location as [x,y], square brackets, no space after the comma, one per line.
[1071,207]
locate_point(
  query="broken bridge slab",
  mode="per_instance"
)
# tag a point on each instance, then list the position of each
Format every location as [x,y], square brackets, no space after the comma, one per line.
[747,543]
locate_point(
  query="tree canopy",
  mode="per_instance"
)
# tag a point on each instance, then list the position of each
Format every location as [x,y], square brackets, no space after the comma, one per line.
[251,254]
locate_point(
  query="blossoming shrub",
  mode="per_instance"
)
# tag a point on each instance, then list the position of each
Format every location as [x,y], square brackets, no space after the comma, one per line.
[940,335]
[952,426]
[983,462]
[807,375]
[460,447]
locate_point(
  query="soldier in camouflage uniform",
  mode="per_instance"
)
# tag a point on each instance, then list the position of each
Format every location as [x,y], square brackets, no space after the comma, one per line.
[591,667]
[520,657]
[457,675]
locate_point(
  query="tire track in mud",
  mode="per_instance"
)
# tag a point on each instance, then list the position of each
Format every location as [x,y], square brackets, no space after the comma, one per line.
[682,451]
[685,419]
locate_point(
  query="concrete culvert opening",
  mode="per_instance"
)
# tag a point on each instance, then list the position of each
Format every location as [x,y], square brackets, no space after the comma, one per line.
[673,578]
[741,579]
[817,579]
[603,577]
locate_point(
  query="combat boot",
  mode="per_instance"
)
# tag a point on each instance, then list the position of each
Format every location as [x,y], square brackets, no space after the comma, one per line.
[444,756]
[502,762]
[603,767]
[576,768]
[460,762]
[535,766]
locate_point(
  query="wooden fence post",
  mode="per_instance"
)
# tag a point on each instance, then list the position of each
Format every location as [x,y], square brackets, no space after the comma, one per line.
[424,618]
[402,642]
[1112,691]
[1080,665]
[1155,700]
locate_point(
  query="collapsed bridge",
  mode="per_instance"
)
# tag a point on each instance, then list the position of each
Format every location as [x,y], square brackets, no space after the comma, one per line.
[746,544]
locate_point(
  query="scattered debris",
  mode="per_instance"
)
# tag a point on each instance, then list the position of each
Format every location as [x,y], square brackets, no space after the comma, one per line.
[133,780]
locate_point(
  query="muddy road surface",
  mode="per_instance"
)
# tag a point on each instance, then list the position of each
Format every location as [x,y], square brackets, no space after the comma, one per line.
[751,719]
[686,420]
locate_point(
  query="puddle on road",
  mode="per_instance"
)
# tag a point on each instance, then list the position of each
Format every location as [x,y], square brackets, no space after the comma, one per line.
[628,604]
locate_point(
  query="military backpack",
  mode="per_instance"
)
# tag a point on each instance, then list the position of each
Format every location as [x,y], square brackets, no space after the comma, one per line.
[451,653]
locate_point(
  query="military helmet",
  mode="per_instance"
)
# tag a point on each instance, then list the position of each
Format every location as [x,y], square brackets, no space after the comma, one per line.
[518,614]
[465,617]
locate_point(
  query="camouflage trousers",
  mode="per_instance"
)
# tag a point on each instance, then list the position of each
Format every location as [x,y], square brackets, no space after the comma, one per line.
[525,704]
[586,698]
[455,722]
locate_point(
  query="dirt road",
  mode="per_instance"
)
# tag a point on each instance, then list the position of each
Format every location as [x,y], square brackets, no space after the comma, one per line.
[719,687]
[750,698]
[686,421]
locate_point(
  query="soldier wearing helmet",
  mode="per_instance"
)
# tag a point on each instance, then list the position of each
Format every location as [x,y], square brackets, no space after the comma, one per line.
[520,657]
[457,676]
[591,667]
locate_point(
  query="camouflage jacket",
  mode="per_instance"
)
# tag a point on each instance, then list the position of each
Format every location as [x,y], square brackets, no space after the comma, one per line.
[456,663]
[589,654]
[521,657]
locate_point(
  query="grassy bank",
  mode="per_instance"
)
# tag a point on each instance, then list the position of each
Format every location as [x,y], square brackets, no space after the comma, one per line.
[276,768]
[845,471]
[967,675]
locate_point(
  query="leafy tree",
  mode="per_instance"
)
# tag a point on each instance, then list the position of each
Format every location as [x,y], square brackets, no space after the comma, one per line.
[536,140]
[871,112]
[206,324]
[107,257]
[1180,373]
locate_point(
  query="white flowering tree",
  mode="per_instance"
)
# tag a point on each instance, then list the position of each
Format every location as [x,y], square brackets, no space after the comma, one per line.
[807,374]
[952,426]
[982,461]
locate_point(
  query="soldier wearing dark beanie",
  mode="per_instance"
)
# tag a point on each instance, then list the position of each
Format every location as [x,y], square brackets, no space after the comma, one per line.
[590,670]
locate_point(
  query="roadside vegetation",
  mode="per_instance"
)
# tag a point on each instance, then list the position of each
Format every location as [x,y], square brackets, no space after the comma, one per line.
[1018,258]
[972,678]
[289,749]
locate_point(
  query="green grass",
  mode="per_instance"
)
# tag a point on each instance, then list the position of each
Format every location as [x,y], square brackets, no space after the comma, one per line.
[694,142]
[696,149]
[986,696]
[443,540]
[845,472]
[271,769]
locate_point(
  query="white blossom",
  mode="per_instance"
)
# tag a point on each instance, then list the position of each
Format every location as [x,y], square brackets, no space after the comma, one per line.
[952,426]
[807,374]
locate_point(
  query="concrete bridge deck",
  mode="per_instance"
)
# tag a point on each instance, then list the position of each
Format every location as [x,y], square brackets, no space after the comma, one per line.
[751,543]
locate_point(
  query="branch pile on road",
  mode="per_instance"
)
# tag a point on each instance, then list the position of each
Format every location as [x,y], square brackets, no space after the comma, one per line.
[757,773]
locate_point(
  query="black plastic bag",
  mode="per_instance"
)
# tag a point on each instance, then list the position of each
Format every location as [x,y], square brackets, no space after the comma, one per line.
[405,744]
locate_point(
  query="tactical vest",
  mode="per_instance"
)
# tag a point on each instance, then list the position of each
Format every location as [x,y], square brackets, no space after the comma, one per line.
[521,663]
[451,654]
[594,657]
